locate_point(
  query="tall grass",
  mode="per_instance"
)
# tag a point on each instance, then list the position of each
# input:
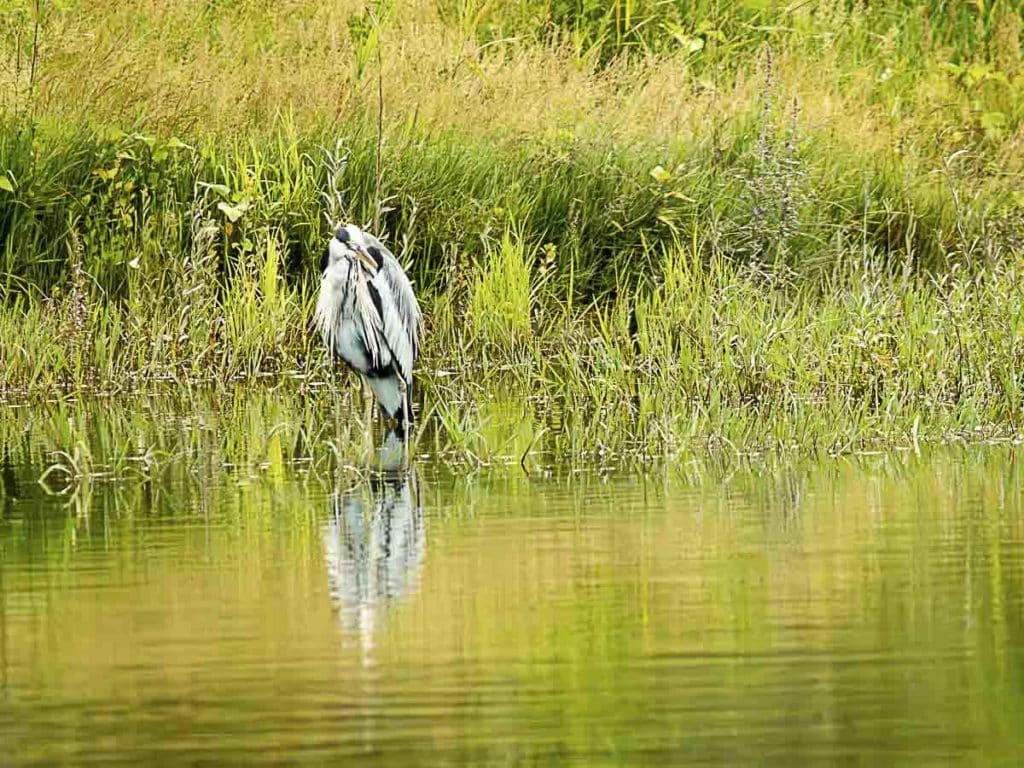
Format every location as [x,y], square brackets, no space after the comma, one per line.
[500,296]
[130,199]
[753,227]
[716,355]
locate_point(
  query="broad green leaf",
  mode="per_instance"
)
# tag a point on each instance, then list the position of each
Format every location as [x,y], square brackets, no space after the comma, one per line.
[233,212]
[689,43]
[659,174]
[218,188]
[976,73]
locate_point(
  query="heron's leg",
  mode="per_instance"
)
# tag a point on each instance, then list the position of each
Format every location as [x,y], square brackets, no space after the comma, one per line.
[406,419]
[367,413]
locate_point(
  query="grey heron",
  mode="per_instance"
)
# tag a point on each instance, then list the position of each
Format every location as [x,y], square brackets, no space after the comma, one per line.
[368,316]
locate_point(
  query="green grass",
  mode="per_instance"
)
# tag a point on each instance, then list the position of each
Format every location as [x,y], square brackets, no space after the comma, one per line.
[716,355]
[751,228]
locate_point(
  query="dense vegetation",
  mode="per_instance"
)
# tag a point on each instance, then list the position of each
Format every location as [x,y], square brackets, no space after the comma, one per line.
[745,224]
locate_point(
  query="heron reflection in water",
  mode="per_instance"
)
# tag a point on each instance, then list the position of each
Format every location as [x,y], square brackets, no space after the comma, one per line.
[374,543]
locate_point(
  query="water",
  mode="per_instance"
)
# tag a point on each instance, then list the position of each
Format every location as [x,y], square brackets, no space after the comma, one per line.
[853,611]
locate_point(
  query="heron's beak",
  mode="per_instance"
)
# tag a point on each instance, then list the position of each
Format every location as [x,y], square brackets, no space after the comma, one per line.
[364,257]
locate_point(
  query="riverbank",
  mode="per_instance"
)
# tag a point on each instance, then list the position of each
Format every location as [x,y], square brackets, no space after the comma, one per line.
[764,230]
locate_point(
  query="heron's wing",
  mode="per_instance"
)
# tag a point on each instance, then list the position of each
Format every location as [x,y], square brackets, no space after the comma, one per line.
[334,302]
[371,322]
[394,335]
[405,300]
[347,319]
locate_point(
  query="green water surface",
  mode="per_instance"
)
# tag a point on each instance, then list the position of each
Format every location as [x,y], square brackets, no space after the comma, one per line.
[856,611]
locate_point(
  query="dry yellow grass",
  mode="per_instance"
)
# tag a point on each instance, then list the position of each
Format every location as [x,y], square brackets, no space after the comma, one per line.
[195,66]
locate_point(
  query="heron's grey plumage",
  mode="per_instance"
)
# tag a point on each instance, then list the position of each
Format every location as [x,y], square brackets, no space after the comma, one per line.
[368,316]
[405,300]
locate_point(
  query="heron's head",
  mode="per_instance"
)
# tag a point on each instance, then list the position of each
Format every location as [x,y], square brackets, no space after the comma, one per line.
[353,244]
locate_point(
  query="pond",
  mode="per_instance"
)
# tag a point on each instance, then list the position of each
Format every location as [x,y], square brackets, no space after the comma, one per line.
[184,606]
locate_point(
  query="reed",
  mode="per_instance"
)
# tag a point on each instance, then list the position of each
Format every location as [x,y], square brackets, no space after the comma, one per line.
[737,227]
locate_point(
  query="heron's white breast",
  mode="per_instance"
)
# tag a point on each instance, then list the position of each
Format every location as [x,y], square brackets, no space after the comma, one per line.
[348,345]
